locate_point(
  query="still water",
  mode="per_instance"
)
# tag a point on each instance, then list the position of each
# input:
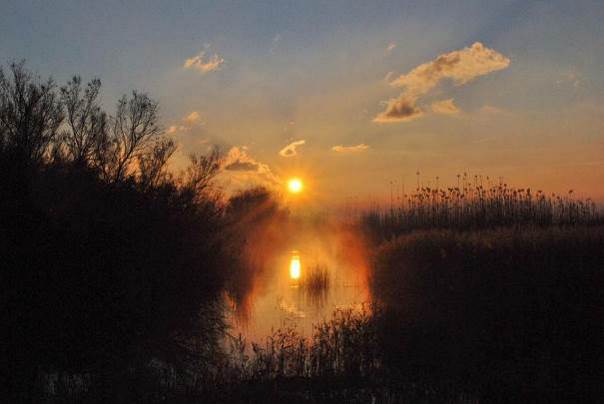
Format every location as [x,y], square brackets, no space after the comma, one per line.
[303,285]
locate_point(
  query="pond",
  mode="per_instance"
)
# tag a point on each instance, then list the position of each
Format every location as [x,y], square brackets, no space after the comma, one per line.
[320,272]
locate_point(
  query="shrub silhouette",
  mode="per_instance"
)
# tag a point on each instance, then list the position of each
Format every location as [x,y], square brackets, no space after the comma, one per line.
[107,260]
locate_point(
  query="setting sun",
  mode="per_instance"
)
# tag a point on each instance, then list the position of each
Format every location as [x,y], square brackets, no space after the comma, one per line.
[294,185]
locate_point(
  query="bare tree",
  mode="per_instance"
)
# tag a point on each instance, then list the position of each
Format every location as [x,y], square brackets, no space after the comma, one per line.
[152,164]
[202,170]
[134,130]
[30,113]
[86,121]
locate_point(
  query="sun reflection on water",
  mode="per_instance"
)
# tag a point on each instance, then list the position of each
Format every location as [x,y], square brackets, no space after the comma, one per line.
[294,266]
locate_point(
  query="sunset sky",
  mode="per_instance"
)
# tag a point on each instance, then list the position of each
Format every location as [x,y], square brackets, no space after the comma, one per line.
[347,95]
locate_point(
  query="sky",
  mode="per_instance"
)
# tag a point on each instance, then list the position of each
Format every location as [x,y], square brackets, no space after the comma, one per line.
[354,97]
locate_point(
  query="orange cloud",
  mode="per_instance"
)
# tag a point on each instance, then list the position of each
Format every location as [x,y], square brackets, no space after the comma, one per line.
[291,149]
[460,66]
[243,168]
[199,62]
[446,107]
[192,118]
[187,123]
[350,149]
[401,109]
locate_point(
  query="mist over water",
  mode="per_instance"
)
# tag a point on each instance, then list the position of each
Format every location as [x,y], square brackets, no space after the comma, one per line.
[321,268]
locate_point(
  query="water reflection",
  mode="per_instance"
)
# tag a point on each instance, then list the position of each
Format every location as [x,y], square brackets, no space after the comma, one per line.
[294,266]
[299,288]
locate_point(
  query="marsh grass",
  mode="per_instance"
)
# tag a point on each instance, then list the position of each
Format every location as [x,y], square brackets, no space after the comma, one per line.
[315,282]
[509,312]
[470,205]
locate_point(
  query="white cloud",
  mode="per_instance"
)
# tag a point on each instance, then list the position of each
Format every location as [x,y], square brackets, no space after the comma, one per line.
[446,107]
[390,47]
[460,66]
[202,64]
[291,149]
[350,149]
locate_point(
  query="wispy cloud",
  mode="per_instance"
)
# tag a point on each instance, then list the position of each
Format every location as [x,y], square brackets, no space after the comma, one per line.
[187,123]
[390,47]
[274,42]
[492,110]
[446,107]
[570,77]
[202,64]
[350,149]
[291,149]
[460,66]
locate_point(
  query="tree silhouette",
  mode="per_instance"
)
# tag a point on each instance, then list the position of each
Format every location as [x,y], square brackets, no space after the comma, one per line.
[109,261]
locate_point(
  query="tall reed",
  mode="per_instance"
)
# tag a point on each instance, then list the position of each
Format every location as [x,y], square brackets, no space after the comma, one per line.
[471,205]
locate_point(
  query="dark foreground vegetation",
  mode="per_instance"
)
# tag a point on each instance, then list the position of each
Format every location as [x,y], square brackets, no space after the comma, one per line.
[114,270]
[109,262]
[503,315]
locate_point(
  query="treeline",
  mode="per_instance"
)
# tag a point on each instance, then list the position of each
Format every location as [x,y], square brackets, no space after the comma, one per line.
[108,260]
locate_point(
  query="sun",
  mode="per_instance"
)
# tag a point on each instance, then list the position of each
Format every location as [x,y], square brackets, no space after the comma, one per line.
[295,185]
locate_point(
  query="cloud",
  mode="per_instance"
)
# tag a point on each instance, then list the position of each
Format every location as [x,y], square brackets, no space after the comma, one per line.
[172,129]
[491,110]
[350,149]
[274,42]
[460,66]
[290,149]
[192,118]
[446,107]
[186,123]
[245,168]
[390,47]
[241,166]
[570,77]
[402,109]
[200,63]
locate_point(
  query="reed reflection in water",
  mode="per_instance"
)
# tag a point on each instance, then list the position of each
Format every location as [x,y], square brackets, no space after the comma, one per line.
[299,288]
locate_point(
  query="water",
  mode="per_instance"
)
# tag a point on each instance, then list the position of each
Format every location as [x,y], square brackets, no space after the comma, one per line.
[281,298]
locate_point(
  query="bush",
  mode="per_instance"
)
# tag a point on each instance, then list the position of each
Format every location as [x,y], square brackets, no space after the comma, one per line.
[498,313]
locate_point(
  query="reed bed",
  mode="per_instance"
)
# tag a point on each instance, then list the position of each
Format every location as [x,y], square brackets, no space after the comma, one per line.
[471,205]
[315,280]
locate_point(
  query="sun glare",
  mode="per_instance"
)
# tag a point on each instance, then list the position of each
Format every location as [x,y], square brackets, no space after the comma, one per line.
[294,185]
[294,267]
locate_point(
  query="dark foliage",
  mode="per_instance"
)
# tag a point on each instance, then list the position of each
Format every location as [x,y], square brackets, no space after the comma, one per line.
[504,315]
[107,261]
